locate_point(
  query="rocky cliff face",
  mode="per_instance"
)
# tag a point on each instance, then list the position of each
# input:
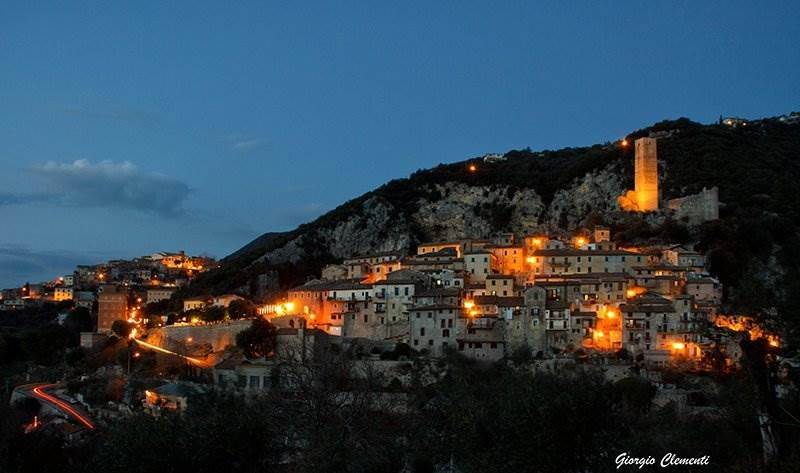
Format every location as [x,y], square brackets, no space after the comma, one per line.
[456,210]
[596,193]
[465,211]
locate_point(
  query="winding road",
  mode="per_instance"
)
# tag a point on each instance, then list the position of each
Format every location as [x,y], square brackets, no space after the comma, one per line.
[38,391]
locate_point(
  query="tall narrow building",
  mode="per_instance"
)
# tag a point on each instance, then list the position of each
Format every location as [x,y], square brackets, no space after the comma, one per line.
[112,305]
[646,175]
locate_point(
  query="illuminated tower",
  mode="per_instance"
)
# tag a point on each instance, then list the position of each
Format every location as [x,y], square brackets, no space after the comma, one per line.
[646,175]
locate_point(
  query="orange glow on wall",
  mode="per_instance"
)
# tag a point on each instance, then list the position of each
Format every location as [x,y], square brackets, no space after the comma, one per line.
[632,292]
[743,323]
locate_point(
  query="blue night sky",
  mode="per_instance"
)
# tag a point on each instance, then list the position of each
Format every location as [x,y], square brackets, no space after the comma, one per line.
[132,129]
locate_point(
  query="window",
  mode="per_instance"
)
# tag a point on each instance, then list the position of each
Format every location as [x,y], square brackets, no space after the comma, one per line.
[422,331]
[255,381]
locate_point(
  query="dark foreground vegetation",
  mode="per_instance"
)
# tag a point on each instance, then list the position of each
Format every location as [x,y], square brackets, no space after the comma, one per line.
[477,418]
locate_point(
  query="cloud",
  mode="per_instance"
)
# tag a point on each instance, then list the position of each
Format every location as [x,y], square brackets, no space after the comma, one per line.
[19,264]
[10,198]
[106,184]
[242,142]
[246,145]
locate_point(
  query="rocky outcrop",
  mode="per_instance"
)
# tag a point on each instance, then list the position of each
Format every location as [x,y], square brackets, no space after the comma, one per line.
[454,211]
[596,192]
[375,227]
[478,211]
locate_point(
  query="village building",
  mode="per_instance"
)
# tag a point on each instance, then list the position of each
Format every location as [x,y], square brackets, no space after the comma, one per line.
[433,328]
[478,264]
[112,306]
[481,330]
[195,303]
[62,294]
[158,295]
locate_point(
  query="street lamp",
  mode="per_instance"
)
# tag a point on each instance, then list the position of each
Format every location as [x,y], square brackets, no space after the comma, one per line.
[135,355]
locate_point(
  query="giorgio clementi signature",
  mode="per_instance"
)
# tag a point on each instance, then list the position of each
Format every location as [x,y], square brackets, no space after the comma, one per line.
[669,459]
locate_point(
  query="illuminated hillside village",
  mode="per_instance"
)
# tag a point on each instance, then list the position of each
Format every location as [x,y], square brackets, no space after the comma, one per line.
[556,297]
[541,302]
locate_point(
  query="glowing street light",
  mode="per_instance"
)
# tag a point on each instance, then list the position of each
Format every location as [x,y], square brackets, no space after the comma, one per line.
[472,168]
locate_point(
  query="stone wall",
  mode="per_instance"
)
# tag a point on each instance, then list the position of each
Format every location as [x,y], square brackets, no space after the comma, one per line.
[697,208]
[218,336]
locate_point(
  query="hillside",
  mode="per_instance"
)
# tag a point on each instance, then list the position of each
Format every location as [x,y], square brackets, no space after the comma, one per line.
[756,168]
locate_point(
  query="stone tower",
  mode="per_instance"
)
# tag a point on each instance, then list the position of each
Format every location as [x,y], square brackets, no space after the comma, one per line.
[646,175]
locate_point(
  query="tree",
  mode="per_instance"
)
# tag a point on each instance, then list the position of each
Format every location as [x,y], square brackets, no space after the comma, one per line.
[257,340]
[45,344]
[3,349]
[157,308]
[213,313]
[121,328]
[78,320]
[241,308]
